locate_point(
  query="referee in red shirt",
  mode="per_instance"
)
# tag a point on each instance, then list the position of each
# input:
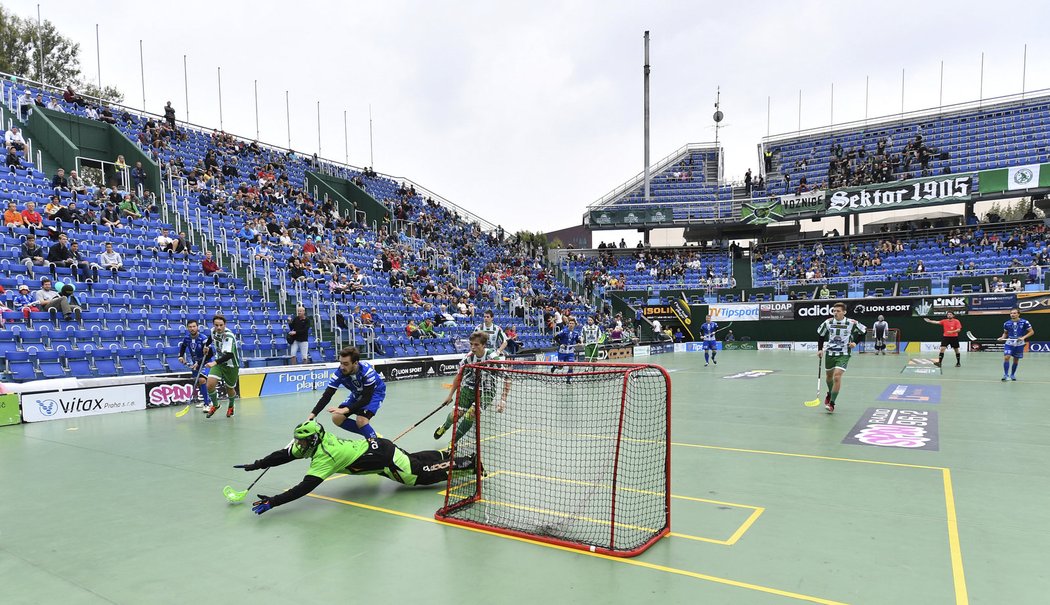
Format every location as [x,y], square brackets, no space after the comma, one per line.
[951,327]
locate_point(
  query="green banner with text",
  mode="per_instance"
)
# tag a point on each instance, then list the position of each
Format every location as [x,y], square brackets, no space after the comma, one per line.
[631,217]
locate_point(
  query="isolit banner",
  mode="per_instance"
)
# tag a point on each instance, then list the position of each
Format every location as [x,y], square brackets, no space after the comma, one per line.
[734,312]
[54,405]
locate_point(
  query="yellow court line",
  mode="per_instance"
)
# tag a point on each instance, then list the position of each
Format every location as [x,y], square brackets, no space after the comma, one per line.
[961,596]
[633,562]
[746,526]
[810,456]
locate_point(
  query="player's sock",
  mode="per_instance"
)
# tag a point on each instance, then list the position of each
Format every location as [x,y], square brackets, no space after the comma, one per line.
[714,354]
[204,394]
[706,360]
[368,431]
[940,359]
[834,396]
[350,424]
[232,400]
[464,427]
[958,358]
[1013,371]
[1006,368]
[213,395]
[830,383]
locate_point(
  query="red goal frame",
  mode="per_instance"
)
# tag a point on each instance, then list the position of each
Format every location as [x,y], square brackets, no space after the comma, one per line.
[580,369]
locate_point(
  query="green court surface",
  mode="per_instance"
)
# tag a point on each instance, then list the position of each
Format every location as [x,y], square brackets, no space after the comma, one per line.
[770,506]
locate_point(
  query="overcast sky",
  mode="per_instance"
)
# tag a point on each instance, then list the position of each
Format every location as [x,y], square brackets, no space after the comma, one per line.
[525,113]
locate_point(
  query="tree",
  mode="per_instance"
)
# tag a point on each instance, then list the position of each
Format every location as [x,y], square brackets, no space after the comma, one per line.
[108,93]
[21,42]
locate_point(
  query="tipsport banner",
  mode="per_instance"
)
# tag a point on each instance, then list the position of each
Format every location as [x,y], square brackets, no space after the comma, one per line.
[726,312]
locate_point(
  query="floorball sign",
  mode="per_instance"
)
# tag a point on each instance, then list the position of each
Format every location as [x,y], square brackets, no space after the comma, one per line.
[890,427]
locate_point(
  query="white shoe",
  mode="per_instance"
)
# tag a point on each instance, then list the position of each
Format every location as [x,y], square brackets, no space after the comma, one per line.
[200,404]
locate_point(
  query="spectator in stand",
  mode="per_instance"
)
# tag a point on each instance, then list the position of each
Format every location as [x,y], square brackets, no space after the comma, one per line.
[30,217]
[825,292]
[25,104]
[30,254]
[426,329]
[13,139]
[299,336]
[111,216]
[129,209]
[411,330]
[82,265]
[138,177]
[54,204]
[59,182]
[69,96]
[514,344]
[111,260]
[59,255]
[24,301]
[54,105]
[164,241]
[76,184]
[12,217]
[181,245]
[12,161]
[211,268]
[169,115]
[48,299]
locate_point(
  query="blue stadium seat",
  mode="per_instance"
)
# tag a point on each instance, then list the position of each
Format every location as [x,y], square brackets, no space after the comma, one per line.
[19,367]
[50,364]
[78,364]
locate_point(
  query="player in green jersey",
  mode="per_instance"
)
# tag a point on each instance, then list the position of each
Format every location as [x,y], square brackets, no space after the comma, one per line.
[225,367]
[329,455]
[465,389]
[840,334]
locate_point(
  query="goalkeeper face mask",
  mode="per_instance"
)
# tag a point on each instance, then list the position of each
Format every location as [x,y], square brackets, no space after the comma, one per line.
[308,436]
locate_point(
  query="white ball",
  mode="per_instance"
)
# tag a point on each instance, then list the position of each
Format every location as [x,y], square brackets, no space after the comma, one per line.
[592,549]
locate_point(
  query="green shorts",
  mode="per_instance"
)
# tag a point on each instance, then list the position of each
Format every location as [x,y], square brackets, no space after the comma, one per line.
[591,351]
[833,362]
[467,397]
[226,374]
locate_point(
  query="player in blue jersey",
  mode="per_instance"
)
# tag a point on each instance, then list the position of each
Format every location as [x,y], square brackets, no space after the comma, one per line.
[1015,332]
[200,347]
[567,339]
[367,391]
[709,331]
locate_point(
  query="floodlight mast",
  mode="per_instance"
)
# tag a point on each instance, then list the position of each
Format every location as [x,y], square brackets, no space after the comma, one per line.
[645,79]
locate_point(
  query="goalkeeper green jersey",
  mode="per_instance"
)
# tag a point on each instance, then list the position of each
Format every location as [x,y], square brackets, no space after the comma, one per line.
[227,343]
[336,455]
[838,334]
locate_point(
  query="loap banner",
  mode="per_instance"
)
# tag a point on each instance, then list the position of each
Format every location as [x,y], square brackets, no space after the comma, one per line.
[891,196]
[776,311]
[74,403]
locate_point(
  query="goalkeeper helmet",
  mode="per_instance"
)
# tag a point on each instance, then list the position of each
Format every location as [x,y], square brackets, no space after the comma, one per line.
[308,436]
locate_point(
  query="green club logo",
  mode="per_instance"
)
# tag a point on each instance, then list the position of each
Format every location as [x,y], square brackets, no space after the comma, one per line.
[1023,176]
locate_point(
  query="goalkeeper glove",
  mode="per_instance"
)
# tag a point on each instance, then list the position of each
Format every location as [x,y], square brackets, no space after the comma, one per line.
[261,505]
[253,466]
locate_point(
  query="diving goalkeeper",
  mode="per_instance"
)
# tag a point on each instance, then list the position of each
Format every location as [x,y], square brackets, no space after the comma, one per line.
[329,455]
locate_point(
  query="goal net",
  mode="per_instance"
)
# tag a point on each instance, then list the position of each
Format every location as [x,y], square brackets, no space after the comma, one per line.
[893,341]
[575,454]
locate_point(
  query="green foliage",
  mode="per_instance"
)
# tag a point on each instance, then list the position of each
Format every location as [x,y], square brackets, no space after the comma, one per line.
[107,93]
[21,43]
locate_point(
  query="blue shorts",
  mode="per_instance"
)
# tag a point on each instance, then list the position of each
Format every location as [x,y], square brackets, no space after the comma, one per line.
[370,409]
[710,345]
[566,356]
[1014,351]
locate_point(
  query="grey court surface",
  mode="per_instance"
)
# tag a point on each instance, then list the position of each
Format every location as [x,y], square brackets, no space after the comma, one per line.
[773,502]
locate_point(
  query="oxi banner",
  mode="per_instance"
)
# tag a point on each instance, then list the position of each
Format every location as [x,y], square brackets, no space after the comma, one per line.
[74,403]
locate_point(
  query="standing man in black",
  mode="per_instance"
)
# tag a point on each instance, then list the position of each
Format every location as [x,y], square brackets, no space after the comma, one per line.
[299,336]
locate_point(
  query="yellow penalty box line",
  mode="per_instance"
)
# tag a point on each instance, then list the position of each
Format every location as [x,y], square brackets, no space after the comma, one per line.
[633,562]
